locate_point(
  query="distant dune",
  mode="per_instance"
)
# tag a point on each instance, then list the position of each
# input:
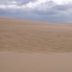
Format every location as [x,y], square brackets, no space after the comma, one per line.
[20,35]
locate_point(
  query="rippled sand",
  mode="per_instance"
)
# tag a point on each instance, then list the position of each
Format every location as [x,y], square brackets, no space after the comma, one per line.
[22,36]
[27,46]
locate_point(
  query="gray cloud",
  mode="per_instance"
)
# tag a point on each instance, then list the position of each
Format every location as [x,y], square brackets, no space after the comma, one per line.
[49,11]
[19,1]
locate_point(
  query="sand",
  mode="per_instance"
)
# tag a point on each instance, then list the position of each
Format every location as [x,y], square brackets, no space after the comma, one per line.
[19,35]
[35,62]
[29,46]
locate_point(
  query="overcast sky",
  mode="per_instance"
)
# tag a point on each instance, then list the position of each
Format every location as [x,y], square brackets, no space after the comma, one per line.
[49,10]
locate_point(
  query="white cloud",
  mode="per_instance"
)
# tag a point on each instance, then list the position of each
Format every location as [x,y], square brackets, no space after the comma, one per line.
[37,4]
[62,1]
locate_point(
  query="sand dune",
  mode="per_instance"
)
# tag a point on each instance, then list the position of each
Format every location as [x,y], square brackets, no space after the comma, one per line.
[40,46]
[19,35]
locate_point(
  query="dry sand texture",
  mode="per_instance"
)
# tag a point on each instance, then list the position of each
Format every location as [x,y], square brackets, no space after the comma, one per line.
[31,38]
[35,62]
[34,36]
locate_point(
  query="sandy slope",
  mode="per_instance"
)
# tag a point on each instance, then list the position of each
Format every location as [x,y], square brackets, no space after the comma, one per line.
[34,36]
[36,40]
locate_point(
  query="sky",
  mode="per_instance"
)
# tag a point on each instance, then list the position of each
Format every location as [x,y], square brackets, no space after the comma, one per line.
[45,10]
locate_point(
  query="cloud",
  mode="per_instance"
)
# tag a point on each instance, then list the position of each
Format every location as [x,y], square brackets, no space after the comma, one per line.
[37,9]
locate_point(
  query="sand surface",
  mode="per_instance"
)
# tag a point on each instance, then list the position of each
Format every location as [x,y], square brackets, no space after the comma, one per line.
[17,35]
[27,46]
[35,62]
